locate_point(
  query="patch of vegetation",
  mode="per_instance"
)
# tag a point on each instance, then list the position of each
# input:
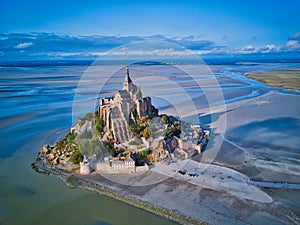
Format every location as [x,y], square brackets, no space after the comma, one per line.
[144,154]
[70,137]
[165,118]
[146,133]
[76,157]
[142,129]
[124,154]
[284,78]
[174,128]
[109,146]
[62,143]
[99,125]
[135,129]
[91,147]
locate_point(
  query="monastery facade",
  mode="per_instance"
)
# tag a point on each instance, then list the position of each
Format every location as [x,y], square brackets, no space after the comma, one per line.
[120,111]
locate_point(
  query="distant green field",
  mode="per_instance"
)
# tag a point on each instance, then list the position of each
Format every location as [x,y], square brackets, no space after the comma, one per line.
[284,78]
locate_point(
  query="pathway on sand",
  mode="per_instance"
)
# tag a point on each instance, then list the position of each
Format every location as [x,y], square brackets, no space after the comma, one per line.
[283,185]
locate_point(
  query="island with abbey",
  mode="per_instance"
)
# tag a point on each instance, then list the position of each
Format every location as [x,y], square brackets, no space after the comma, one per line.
[124,135]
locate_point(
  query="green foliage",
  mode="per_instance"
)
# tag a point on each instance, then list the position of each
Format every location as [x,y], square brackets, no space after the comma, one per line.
[124,154]
[91,147]
[135,129]
[169,133]
[76,157]
[141,129]
[95,134]
[145,153]
[143,120]
[109,146]
[146,133]
[99,125]
[70,137]
[174,129]
[165,118]
[176,123]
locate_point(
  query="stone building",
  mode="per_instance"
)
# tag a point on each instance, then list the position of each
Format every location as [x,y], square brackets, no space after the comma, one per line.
[119,111]
[127,164]
[119,166]
[85,167]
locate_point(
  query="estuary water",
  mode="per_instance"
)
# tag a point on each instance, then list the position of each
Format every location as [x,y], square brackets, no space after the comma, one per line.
[36,108]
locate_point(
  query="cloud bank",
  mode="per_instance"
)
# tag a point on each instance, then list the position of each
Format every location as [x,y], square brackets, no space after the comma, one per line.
[43,46]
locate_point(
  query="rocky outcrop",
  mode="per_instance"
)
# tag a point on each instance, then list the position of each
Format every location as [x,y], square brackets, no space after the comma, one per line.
[54,155]
[45,150]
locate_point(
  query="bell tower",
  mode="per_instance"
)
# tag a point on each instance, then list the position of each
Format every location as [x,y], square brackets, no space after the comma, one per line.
[127,81]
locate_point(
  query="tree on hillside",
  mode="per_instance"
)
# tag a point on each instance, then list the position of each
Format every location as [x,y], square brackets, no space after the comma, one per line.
[100,125]
[165,118]
[76,157]
[146,133]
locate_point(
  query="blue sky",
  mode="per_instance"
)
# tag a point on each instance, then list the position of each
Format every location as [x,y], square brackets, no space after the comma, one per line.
[222,26]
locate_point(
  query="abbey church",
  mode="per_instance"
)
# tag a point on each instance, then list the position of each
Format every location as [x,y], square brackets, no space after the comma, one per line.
[120,111]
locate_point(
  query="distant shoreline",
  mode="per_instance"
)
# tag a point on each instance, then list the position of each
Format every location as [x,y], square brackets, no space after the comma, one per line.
[283,78]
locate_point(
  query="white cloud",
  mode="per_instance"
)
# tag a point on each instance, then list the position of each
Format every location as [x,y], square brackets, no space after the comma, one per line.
[259,49]
[248,49]
[128,52]
[23,45]
[151,52]
[292,44]
[269,48]
[295,36]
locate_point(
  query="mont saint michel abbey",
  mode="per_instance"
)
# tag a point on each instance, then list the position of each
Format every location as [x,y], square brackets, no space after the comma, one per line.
[119,111]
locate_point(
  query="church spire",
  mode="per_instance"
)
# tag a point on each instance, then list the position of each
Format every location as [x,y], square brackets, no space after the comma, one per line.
[127,77]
